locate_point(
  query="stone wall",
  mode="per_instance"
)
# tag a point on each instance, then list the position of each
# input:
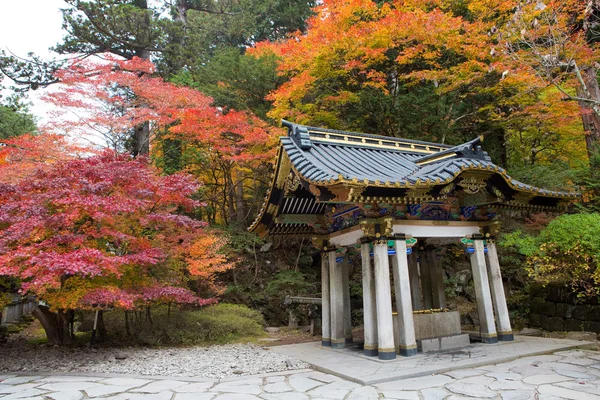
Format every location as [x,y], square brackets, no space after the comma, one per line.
[560,311]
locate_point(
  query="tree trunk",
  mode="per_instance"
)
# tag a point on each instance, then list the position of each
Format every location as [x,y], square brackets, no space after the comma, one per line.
[239,198]
[590,119]
[56,325]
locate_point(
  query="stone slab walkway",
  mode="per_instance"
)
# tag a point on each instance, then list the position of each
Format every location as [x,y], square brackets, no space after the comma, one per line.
[351,364]
[571,375]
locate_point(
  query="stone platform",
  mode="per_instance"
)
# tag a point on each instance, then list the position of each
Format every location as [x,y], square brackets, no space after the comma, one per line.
[351,364]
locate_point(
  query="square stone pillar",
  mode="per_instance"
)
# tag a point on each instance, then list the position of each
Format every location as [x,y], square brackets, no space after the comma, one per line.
[407,344]
[345,264]
[437,280]
[369,304]
[413,275]
[426,289]
[325,302]
[336,293]
[482,292]
[383,298]
[498,296]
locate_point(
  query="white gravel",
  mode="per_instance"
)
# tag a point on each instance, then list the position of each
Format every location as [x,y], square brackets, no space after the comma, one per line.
[207,362]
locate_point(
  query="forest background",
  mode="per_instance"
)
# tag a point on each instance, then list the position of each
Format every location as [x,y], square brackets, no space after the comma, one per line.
[198,87]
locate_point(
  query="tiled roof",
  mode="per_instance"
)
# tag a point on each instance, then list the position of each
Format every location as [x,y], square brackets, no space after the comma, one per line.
[324,157]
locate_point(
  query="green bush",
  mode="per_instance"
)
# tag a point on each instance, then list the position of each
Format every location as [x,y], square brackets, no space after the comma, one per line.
[218,324]
[566,252]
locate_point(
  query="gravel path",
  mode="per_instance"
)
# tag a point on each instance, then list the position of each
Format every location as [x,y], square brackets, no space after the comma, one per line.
[214,362]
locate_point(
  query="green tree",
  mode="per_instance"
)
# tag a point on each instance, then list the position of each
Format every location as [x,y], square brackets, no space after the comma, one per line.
[15,119]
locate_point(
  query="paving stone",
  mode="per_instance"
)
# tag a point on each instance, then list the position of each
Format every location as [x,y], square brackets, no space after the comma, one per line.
[302,384]
[327,378]
[70,378]
[505,376]
[105,390]
[518,395]
[464,373]
[66,395]
[6,389]
[435,394]
[159,386]
[582,361]
[284,396]
[230,396]
[544,379]
[194,387]
[16,380]
[60,386]
[273,379]
[424,382]
[131,382]
[566,393]
[508,385]
[531,370]
[248,387]
[467,388]
[401,394]
[588,387]
[277,387]
[195,396]
[334,390]
[363,393]
[25,393]
[548,397]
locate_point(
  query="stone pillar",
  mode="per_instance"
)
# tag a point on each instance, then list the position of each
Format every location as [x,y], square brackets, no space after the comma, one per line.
[325,302]
[498,295]
[413,275]
[369,305]
[407,344]
[336,292]
[347,308]
[437,280]
[425,281]
[383,298]
[485,310]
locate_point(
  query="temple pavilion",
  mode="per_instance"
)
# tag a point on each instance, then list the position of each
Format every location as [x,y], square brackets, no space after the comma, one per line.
[385,197]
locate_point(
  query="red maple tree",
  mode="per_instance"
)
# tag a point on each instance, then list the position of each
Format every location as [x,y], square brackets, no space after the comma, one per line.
[100,232]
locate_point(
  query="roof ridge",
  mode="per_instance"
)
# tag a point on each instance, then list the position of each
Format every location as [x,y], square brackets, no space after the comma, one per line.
[361,134]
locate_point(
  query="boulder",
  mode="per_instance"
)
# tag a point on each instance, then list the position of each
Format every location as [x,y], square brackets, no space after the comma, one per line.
[584,336]
[556,324]
[581,313]
[563,310]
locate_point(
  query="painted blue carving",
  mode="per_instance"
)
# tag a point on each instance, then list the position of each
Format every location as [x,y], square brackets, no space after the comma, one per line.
[414,209]
[467,211]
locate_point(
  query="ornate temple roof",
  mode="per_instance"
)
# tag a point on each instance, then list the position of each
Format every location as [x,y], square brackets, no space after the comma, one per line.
[320,169]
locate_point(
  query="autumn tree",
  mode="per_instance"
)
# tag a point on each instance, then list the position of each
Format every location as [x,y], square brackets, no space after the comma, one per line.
[222,147]
[555,43]
[102,232]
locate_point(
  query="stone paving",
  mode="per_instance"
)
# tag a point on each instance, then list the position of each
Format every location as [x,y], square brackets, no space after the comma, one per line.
[350,363]
[571,374]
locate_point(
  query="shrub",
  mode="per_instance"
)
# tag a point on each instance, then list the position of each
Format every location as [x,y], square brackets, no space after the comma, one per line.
[218,324]
[566,252]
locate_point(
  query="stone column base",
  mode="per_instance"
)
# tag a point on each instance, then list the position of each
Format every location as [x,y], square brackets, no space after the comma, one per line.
[489,339]
[326,342]
[410,351]
[338,343]
[371,352]
[386,354]
[506,336]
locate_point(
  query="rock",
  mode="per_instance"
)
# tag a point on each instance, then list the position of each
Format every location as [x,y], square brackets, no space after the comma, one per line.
[591,326]
[563,310]
[290,362]
[573,325]
[594,313]
[265,247]
[581,312]
[272,329]
[584,336]
[535,320]
[556,324]
[120,356]
[530,332]
[238,371]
